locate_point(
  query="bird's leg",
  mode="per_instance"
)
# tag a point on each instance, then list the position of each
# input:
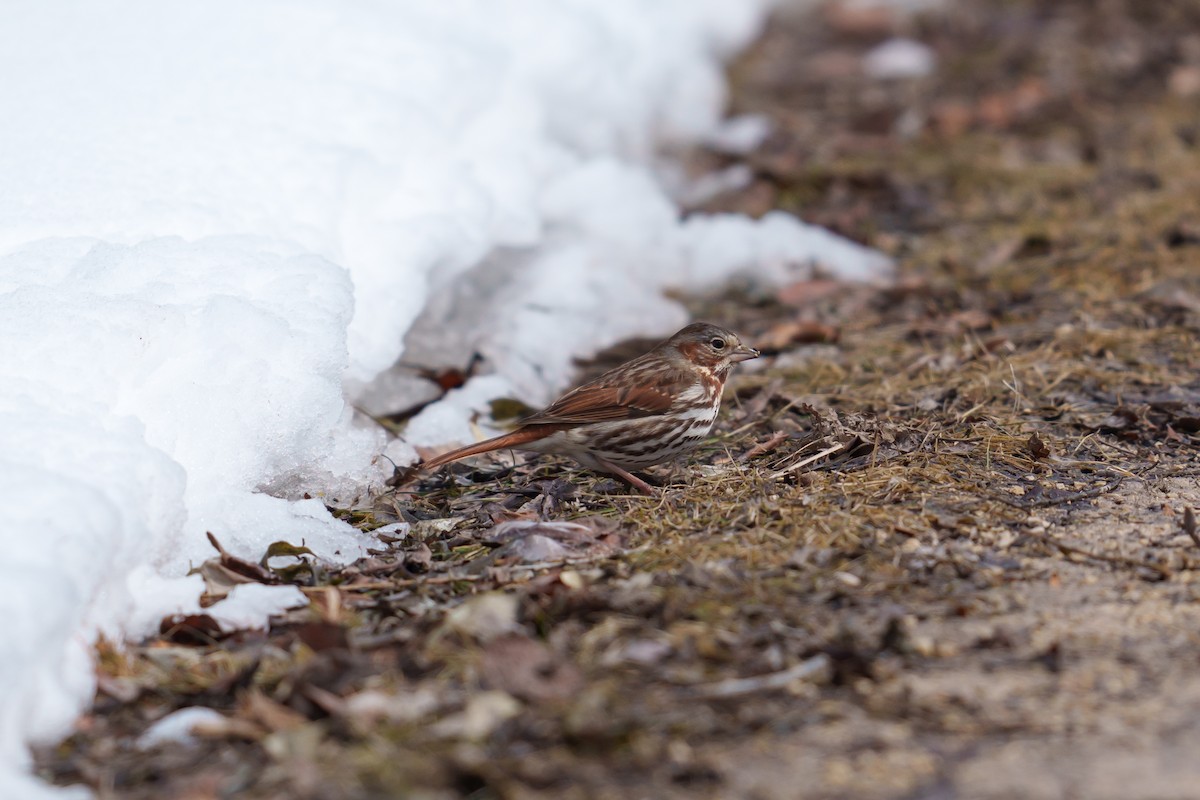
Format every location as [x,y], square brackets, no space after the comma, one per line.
[655,481]
[625,475]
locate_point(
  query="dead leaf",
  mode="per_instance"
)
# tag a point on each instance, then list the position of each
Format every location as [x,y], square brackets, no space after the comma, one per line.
[319,636]
[326,601]
[419,559]
[190,629]
[866,20]
[370,706]
[806,293]
[645,652]
[226,571]
[527,541]
[283,549]
[765,446]
[1185,81]
[484,713]
[506,408]
[227,728]
[257,707]
[125,690]
[528,670]
[402,476]
[1037,448]
[1176,295]
[951,118]
[483,617]
[1000,110]
[445,379]
[785,334]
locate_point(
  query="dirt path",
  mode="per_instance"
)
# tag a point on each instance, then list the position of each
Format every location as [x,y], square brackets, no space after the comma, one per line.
[939,549]
[1036,670]
[1064,681]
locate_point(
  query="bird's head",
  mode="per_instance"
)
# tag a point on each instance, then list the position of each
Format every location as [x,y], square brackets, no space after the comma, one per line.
[710,347]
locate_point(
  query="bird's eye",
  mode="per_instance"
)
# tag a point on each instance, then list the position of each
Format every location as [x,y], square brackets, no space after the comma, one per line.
[718,344]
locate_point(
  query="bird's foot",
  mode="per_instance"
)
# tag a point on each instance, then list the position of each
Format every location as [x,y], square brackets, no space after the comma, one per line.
[627,476]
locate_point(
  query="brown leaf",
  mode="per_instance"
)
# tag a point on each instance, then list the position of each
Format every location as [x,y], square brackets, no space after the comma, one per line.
[482,715]
[226,571]
[1122,418]
[404,475]
[806,293]
[955,324]
[320,636]
[765,446]
[326,601]
[1037,448]
[970,319]
[233,682]
[259,708]
[866,20]
[193,629]
[553,585]
[1175,295]
[228,728]
[419,559]
[483,616]
[534,541]
[1002,109]
[528,670]
[445,379]
[951,118]
[124,690]
[219,580]
[785,334]
[1185,81]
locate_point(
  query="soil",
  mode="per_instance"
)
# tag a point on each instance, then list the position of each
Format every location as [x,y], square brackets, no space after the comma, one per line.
[942,543]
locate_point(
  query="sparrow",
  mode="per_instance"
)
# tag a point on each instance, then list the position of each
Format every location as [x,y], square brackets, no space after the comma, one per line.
[646,411]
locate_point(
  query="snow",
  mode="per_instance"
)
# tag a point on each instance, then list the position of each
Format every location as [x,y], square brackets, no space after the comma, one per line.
[179,726]
[899,58]
[250,605]
[739,135]
[222,223]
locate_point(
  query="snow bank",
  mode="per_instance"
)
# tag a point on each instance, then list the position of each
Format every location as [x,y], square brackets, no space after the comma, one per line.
[217,219]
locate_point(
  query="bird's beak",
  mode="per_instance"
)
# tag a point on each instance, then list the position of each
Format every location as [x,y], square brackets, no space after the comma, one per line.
[743,353]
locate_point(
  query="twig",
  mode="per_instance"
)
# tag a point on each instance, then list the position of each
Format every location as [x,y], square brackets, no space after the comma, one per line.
[737,687]
[1125,561]
[432,580]
[805,462]
[1059,461]
[440,580]
[767,446]
[1189,525]
[1045,502]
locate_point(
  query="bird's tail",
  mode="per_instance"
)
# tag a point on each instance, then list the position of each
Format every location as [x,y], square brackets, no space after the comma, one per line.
[517,438]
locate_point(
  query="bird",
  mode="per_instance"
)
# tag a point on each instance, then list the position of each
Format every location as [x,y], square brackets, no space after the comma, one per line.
[644,412]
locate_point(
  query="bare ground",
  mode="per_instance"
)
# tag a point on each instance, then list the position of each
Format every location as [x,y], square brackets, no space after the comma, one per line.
[943,545]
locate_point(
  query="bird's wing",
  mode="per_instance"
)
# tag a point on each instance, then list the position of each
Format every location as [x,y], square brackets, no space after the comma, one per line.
[607,400]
